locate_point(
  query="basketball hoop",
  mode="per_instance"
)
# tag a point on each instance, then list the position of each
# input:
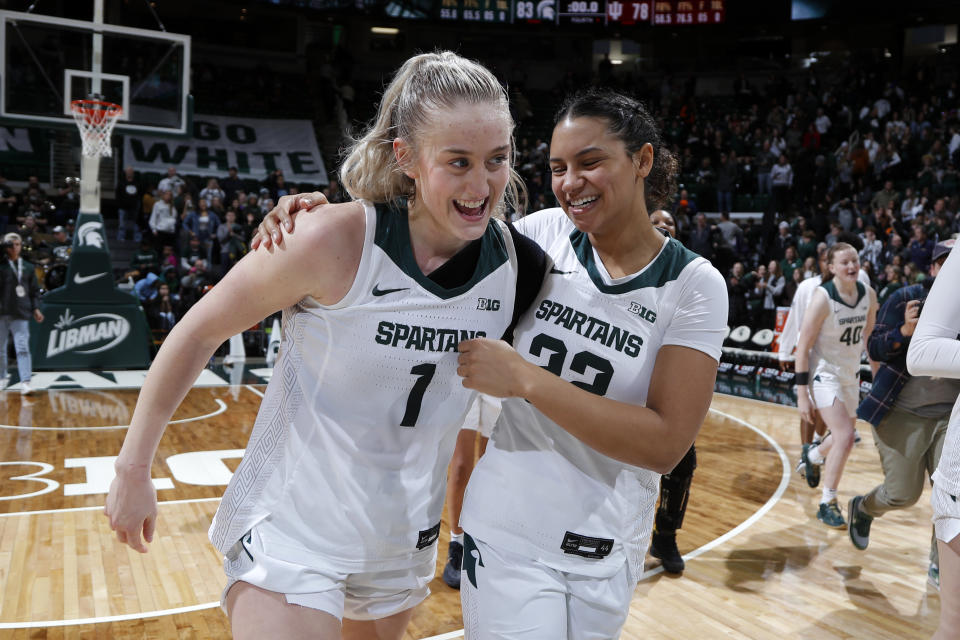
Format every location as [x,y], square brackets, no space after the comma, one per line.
[95,119]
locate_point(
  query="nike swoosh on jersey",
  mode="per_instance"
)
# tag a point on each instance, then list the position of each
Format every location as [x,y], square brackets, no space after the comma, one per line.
[560,273]
[377,291]
[79,279]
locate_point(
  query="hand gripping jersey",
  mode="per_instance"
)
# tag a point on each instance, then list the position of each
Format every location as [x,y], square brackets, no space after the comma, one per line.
[349,452]
[537,490]
[835,357]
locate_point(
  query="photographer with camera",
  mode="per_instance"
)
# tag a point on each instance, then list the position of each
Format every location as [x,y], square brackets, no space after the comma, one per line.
[19,301]
[909,414]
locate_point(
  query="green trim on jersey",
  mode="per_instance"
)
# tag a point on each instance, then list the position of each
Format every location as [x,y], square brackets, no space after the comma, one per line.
[665,268]
[832,292]
[393,237]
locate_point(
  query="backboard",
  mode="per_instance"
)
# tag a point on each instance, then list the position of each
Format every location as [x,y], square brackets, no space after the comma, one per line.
[48,61]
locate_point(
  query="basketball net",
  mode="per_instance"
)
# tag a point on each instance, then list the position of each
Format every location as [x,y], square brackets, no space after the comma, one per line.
[95,119]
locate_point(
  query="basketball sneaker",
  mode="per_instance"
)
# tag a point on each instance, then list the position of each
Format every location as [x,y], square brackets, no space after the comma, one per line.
[451,572]
[859,527]
[829,514]
[664,547]
[810,471]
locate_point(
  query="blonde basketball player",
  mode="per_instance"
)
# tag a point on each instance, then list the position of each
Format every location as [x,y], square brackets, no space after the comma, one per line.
[334,512]
[935,351]
[836,325]
[558,512]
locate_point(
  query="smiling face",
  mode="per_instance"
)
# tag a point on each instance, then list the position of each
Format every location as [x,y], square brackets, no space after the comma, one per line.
[597,183]
[461,166]
[845,265]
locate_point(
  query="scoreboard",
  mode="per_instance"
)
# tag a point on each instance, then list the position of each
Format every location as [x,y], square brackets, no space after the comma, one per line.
[587,12]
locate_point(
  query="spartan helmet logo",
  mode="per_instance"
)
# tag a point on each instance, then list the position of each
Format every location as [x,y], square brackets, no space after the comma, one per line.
[90,235]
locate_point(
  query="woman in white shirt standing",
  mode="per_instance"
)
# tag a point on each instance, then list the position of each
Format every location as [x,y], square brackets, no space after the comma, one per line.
[935,351]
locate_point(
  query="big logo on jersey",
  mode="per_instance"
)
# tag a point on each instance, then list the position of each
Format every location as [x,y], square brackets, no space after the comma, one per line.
[89,334]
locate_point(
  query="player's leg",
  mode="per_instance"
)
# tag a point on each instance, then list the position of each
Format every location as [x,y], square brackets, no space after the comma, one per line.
[461,466]
[256,613]
[811,435]
[946,518]
[389,628]
[597,608]
[378,605]
[506,596]
[674,494]
[840,422]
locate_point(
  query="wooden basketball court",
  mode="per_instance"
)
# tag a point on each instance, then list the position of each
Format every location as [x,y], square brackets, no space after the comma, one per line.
[759,564]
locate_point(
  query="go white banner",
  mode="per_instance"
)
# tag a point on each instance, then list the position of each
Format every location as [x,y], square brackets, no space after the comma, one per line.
[256,147]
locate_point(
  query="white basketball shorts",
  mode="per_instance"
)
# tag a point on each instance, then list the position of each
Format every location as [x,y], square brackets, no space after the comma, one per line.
[824,393]
[946,514]
[483,414]
[506,596]
[357,596]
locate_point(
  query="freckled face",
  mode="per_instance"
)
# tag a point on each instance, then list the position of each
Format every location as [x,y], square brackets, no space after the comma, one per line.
[462,167]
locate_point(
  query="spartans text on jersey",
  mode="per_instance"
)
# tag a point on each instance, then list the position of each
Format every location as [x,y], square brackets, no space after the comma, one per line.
[590,327]
[423,338]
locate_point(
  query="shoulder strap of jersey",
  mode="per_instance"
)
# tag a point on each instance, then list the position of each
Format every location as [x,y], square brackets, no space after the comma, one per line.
[531,269]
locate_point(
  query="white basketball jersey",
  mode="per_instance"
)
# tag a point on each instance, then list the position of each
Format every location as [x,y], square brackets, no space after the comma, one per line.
[835,356]
[538,490]
[350,448]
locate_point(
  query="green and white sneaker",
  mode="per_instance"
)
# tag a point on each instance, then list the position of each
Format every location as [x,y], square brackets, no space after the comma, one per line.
[829,514]
[860,522]
[811,471]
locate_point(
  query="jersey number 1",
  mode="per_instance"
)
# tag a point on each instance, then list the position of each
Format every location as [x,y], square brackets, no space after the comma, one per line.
[424,373]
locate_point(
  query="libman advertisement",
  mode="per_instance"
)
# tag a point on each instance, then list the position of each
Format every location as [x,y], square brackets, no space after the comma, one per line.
[94,336]
[255,146]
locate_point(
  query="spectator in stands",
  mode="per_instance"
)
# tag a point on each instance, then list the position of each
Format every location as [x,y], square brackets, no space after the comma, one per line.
[19,302]
[892,281]
[737,288]
[163,220]
[8,203]
[732,233]
[194,251]
[172,183]
[727,177]
[146,289]
[129,198]
[211,191]
[790,262]
[163,311]
[194,284]
[32,240]
[807,244]
[231,185]
[333,192]
[783,240]
[781,179]
[702,238]
[920,248]
[872,247]
[203,225]
[763,163]
[772,295]
[232,247]
[886,198]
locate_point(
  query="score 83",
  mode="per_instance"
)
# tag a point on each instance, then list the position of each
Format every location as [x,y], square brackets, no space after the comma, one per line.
[629,12]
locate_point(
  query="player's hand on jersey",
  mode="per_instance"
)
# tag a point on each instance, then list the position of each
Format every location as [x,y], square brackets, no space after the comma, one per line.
[132,510]
[492,367]
[804,404]
[911,314]
[268,233]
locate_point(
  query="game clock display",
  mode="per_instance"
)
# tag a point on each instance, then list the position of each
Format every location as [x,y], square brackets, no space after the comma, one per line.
[610,12]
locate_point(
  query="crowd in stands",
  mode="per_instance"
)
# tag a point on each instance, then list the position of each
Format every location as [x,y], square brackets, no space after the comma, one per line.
[857,153]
